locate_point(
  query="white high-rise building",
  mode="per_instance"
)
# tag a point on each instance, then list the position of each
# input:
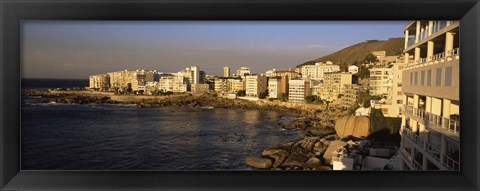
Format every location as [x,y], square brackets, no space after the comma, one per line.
[255,84]
[318,70]
[226,71]
[243,71]
[274,86]
[430,83]
[381,80]
[196,74]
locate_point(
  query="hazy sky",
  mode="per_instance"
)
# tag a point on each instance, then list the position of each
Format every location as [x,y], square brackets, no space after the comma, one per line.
[77,49]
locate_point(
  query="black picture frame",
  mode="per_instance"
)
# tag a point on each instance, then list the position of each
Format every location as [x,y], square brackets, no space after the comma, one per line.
[13,12]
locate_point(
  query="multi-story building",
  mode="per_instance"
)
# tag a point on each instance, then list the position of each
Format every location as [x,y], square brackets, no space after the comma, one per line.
[243,71]
[124,80]
[226,71]
[200,88]
[192,73]
[220,85]
[393,104]
[317,71]
[234,85]
[255,85]
[274,86]
[333,84]
[202,77]
[430,83]
[349,95]
[298,90]
[381,80]
[152,76]
[285,77]
[99,82]
[174,83]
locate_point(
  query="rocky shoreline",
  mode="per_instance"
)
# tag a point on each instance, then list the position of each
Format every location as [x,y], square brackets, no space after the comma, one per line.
[306,153]
[183,100]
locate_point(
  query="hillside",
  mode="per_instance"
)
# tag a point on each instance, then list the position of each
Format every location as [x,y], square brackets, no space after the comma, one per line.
[357,52]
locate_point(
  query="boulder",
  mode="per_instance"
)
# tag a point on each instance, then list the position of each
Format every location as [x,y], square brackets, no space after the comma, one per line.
[256,162]
[311,163]
[268,152]
[292,164]
[279,157]
[322,168]
[356,126]
[334,145]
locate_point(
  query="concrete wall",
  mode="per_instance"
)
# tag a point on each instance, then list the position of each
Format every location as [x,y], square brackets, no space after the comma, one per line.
[452,92]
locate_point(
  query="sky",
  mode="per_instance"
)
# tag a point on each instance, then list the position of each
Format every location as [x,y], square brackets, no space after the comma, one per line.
[78,49]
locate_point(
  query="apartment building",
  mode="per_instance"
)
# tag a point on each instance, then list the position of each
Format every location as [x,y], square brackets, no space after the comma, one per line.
[192,73]
[317,71]
[430,83]
[220,85]
[128,79]
[255,84]
[392,105]
[174,83]
[381,80]
[274,87]
[349,95]
[99,82]
[200,88]
[298,90]
[226,71]
[243,71]
[234,85]
[333,84]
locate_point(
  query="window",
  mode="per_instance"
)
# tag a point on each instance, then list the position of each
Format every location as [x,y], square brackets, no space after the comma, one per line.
[448,76]
[416,78]
[422,78]
[429,77]
[400,101]
[411,78]
[438,77]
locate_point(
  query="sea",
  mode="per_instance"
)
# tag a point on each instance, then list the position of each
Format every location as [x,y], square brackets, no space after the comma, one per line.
[125,137]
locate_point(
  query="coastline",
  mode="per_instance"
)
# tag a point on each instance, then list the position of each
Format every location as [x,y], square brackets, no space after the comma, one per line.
[303,153]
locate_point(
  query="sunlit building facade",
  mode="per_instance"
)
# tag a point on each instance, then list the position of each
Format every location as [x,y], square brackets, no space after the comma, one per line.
[430,117]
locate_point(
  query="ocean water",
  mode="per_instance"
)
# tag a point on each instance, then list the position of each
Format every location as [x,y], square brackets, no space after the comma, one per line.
[32,83]
[124,137]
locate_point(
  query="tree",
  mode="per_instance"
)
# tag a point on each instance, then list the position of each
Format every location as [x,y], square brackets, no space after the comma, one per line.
[283,97]
[363,72]
[241,93]
[370,58]
[262,95]
[311,98]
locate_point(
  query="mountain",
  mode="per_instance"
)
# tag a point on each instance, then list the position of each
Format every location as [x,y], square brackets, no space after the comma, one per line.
[357,52]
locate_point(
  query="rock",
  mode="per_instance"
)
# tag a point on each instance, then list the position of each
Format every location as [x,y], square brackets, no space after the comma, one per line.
[269,152]
[356,126]
[322,168]
[279,157]
[292,164]
[312,163]
[334,145]
[256,162]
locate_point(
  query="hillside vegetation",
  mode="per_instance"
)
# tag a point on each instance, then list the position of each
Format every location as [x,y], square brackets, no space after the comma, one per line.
[358,52]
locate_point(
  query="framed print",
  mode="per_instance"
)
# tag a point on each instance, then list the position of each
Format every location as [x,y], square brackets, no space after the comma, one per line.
[239,95]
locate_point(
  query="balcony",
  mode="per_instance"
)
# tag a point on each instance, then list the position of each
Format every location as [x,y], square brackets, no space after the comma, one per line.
[436,120]
[450,163]
[416,165]
[431,149]
[453,54]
